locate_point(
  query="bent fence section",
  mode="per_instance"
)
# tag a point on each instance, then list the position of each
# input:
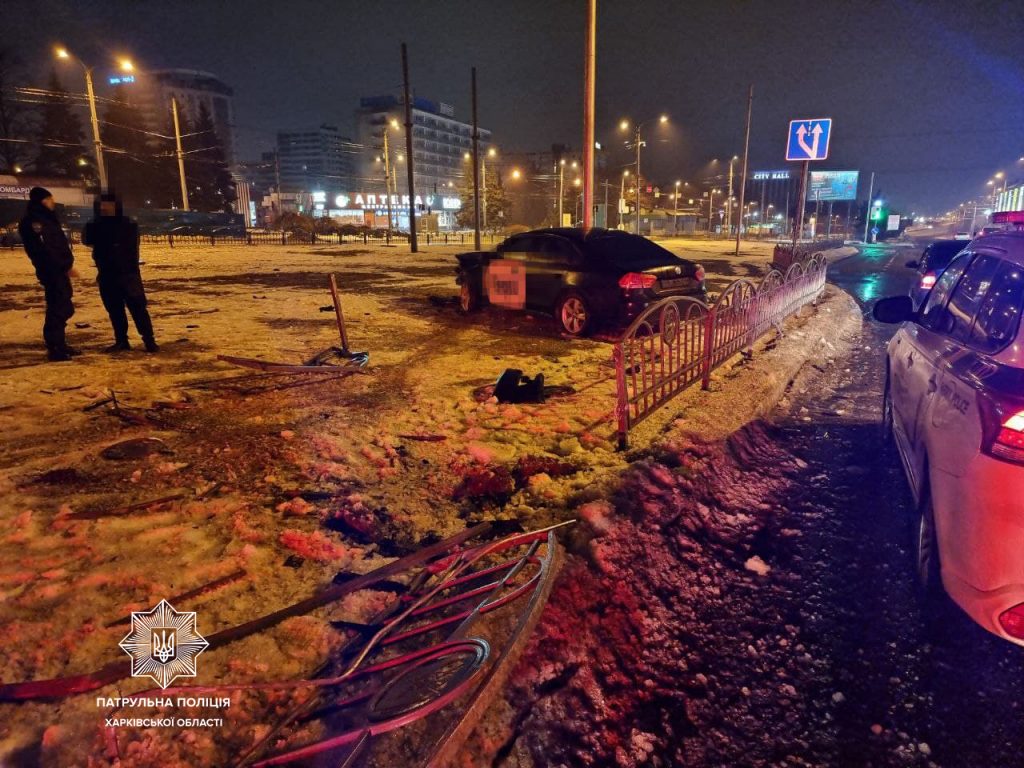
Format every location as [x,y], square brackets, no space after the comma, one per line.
[680,340]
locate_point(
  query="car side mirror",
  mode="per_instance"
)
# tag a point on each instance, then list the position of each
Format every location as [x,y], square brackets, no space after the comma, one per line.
[895,309]
[912,264]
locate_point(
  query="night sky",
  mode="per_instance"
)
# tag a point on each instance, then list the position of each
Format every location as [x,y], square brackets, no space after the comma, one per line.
[929,95]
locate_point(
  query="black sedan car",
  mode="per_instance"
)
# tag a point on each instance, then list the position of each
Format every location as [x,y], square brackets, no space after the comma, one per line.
[935,258]
[583,279]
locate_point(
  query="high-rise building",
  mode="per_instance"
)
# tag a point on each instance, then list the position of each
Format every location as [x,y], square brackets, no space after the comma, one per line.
[318,159]
[440,143]
[154,89]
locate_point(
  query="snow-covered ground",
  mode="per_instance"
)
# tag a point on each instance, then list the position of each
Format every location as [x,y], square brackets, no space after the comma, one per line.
[412,448]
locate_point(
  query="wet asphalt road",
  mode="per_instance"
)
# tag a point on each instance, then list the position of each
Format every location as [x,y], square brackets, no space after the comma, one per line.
[913,688]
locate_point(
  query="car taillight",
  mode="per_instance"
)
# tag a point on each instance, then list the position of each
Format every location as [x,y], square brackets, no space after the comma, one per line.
[637,280]
[1012,621]
[699,274]
[1002,430]
[928,281]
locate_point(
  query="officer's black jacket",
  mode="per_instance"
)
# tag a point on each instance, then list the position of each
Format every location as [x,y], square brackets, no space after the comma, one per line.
[45,242]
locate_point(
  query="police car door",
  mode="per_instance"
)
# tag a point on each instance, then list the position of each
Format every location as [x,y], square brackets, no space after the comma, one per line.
[914,370]
[955,425]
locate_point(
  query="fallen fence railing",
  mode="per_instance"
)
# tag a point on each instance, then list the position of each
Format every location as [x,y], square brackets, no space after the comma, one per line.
[681,340]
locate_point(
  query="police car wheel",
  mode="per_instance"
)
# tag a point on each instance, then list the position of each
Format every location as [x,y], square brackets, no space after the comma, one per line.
[573,314]
[926,552]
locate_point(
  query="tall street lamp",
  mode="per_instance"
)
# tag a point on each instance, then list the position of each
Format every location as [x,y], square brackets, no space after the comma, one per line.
[675,217]
[711,205]
[638,142]
[126,66]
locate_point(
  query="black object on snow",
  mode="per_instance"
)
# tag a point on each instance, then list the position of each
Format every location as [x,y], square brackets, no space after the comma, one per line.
[513,387]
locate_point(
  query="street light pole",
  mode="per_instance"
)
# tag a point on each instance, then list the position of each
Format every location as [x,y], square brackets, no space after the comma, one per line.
[589,76]
[867,213]
[409,157]
[561,174]
[711,205]
[746,156]
[622,195]
[181,155]
[728,202]
[387,177]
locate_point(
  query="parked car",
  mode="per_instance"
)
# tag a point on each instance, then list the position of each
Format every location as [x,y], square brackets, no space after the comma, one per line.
[582,279]
[954,406]
[935,258]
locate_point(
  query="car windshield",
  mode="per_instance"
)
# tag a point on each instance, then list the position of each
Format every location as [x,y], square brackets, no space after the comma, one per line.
[628,252]
[940,254]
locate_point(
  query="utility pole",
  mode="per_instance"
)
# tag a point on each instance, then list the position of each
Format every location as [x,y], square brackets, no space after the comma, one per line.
[637,228]
[622,196]
[97,144]
[589,75]
[743,178]
[561,173]
[711,204]
[180,154]
[675,217]
[867,213]
[413,247]
[387,176]
[476,169]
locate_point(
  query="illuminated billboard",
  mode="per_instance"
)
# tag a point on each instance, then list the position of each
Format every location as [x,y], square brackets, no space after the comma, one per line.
[832,185]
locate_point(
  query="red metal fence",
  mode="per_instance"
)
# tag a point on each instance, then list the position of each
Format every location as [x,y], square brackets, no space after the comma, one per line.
[679,341]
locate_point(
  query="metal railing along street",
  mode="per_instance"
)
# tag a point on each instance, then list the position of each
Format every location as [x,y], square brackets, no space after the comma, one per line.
[680,340]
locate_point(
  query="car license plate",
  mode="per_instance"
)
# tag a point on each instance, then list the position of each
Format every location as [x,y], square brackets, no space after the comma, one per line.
[678,282]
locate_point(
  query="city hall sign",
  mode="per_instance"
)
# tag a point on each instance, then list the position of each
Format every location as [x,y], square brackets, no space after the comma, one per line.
[375,202]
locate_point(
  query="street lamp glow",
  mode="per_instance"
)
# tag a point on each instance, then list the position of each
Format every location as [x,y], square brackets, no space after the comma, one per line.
[492,152]
[663,119]
[516,173]
[62,53]
[626,172]
[467,156]
[577,182]
[394,123]
[127,66]
[624,125]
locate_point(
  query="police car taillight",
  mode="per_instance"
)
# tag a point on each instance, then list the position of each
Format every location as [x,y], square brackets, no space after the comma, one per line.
[1012,621]
[927,281]
[699,274]
[1002,430]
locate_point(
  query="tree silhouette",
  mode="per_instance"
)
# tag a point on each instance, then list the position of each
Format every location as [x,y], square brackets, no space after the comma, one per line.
[210,186]
[59,135]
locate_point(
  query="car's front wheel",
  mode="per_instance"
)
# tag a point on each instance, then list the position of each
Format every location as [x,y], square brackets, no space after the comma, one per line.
[469,296]
[574,314]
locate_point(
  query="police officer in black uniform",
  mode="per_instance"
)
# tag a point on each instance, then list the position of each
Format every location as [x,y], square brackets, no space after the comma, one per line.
[50,253]
[115,249]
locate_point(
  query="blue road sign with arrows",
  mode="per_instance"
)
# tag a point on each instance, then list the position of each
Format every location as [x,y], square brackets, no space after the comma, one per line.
[808,139]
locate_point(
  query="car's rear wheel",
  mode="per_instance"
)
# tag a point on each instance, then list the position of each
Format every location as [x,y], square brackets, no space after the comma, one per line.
[574,314]
[926,551]
[469,296]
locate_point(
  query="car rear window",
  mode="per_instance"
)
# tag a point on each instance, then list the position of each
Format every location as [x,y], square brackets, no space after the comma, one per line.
[999,315]
[940,254]
[630,252]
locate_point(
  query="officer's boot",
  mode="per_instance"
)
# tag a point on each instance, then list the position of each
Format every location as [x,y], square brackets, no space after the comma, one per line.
[57,355]
[151,345]
[120,345]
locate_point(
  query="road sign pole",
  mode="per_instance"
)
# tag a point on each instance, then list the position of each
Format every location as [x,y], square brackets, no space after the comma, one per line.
[798,230]
[867,212]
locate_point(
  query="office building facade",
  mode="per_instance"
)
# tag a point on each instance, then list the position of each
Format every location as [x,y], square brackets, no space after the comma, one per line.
[317,159]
